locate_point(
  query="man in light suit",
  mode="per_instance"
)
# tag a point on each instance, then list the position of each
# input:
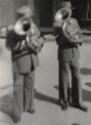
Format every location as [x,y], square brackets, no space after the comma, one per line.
[24,62]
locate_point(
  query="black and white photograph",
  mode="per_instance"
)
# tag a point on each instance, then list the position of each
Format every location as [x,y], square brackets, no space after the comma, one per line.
[45,62]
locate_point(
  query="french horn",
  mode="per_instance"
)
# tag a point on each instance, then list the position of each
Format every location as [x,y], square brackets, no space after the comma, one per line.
[72,31]
[69,25]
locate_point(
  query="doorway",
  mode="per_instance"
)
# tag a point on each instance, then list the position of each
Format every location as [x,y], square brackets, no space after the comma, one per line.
[46,13]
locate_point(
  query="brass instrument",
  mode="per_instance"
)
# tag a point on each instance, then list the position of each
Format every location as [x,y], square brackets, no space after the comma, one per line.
[33,39]
[72,31]
[70,26]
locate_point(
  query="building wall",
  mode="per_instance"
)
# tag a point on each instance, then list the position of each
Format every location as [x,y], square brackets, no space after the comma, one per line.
[8,10]
[43,11]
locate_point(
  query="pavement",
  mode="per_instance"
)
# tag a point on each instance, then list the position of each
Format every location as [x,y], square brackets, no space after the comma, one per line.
[48,112]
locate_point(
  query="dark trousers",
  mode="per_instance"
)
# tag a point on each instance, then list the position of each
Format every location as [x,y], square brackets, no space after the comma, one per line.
[69,82]
[24,90]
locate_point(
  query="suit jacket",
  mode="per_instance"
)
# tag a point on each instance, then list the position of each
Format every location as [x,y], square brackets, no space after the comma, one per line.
[66,51]
[26,59]
[25,63]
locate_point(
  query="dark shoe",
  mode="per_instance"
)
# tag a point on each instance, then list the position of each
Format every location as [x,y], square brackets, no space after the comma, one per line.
[81,107]
[63,105]
[31,111]
[70,102]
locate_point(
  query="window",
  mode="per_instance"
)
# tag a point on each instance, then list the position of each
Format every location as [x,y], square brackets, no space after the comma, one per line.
[89,10]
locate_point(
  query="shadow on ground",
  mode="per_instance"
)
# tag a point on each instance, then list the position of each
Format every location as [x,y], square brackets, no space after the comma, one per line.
[43,97]
[86,95]
[75,124]
[88,84]
[85,71]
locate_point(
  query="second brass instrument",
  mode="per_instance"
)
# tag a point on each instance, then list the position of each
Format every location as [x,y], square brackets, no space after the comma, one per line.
[69,25]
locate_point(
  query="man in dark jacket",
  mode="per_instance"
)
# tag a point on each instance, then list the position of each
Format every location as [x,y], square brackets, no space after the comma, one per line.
[68,57]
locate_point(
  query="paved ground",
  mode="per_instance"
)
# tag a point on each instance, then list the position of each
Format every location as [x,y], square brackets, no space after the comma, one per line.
[5,67]
[47,110]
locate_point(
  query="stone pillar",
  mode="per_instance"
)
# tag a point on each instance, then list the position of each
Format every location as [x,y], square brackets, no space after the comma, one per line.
[36,11]
[31,3]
